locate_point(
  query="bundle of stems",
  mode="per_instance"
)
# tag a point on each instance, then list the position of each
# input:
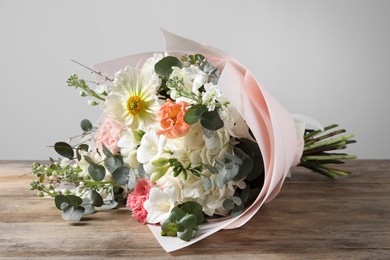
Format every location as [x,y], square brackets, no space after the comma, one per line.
[319,150]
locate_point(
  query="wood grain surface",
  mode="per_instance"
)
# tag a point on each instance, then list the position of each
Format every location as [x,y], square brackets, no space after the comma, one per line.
[312,218]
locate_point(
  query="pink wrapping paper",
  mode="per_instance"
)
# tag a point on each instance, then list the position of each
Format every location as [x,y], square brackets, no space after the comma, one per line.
[272,126]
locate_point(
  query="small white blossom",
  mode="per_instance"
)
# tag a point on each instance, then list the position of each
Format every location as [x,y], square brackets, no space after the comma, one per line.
[209,98]
[159,204]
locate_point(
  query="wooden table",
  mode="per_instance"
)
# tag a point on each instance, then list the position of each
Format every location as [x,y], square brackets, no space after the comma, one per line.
[312,217]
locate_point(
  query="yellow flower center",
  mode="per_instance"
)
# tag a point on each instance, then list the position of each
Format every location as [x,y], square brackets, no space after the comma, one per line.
[134,105]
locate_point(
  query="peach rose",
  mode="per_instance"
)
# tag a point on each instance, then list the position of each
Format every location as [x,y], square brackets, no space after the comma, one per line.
[172,119]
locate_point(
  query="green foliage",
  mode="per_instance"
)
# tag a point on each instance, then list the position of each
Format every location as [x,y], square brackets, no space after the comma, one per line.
[96,199]
[204,65]
[86,125]
[194,114]
[163,68]
[64,149]
[96,171]
[121,175]
[70,206]
[74,81]
[81,147]
[183,221]
[208,119]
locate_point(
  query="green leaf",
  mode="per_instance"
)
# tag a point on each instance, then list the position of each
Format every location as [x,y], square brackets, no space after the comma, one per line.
[186,235]
[90,161]
[86,125]
[194,114]
[212,169]
[245,193]
[87,205]
[206,183]
[237,210]
[253,151]
[73,213]
[81,147]
[192,207]
[96,199]
[74,200]
[176,214]
[211,120]
[97,172]
[121,175]
[64,149]
[188,221]
[106,151]
[168,228]
[132,179]
[163,68]
[113,162]
[59,199]
[237,200]
[65,205]
[228,204]
[111,205]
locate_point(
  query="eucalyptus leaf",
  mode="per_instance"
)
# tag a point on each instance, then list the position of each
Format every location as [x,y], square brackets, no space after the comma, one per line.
[163,68]
[219,181]
[188,221]
[106,151]
[194,114]
[90,161]
[206,183]
[86,125]
[97,172]
[74,200]
[110,205]
[64,149]
[81,147]
[228,204]
[59,199]
[245,193]
[113,162]
[87,205]
[253,151]
[73,213]
[96,199]
[211,120]
[192,207]
[207,132]
[65,206]
[186,235]
[121,175]
[237,200]
[237,210]
[212,169]
[132,179]
[176,214]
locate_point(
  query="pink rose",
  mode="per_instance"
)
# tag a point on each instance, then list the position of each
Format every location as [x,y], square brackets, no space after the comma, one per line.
[136,199]
[108,134]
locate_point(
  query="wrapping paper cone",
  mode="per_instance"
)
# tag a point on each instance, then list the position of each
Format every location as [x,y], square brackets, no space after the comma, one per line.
[272,126]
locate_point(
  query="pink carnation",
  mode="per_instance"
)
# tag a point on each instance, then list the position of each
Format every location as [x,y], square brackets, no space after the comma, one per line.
[136,199]
[108,134]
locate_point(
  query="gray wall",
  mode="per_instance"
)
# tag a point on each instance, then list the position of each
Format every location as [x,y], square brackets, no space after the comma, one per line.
[326,59]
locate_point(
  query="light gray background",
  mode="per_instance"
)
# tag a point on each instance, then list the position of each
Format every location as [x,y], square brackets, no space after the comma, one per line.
[326,59]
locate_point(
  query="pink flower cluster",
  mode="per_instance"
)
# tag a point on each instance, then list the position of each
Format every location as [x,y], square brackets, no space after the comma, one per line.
[108,134]
[136,199]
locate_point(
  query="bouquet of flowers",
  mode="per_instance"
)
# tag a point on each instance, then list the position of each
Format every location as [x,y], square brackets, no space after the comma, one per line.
[189,141]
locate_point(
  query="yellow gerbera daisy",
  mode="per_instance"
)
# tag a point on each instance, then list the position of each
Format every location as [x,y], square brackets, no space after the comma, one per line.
[132,99]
